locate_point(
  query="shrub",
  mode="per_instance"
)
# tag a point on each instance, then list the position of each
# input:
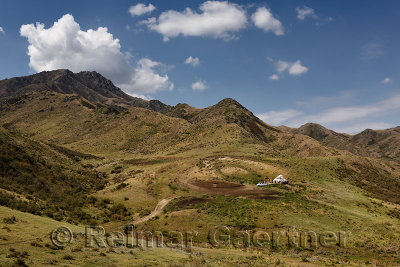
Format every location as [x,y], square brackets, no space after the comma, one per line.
[107,201]
[10,220]
[68,257]
[119,209]
[87,104]
[36,244]
[17,254]
[117,169]
[20,262]
[121,185]
[92,199]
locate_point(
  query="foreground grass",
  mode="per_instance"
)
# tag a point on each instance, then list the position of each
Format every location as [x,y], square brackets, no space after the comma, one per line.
[26,240]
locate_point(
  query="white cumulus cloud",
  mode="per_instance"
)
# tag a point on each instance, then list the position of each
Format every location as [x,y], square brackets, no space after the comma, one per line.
[2,30]
[386,80]
[65,45]
[140,9]
[146,80]
[218,19]
[278,117]
[305,12]
[194,61]
[274,77]
[199,86]
[294,68]
[263,19]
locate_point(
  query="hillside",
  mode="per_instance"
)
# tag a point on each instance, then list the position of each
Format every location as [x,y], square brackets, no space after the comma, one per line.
[372,143]
[385,143]
[42,179]
[85,152]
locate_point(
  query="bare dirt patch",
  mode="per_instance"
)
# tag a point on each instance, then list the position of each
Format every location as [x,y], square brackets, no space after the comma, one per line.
[216,184]
[190,202]
[217,187]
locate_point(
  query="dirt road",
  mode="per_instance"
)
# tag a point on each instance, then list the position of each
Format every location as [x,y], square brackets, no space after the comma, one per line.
[157,210]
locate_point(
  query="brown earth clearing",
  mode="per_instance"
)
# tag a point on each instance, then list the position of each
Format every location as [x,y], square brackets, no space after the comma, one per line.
[219,187]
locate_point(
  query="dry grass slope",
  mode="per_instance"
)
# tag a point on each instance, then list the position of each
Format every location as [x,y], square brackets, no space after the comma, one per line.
[63,133]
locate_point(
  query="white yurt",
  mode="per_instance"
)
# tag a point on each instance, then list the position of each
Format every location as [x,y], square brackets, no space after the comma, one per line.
[280,180]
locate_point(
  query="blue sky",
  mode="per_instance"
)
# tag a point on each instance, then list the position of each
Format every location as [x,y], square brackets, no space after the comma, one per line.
[336,63]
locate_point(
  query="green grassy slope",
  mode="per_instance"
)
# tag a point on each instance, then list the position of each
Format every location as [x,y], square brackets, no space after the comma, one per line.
[50,178]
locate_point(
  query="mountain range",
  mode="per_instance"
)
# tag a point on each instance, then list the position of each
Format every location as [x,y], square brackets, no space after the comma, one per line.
[373,143]
[96,92]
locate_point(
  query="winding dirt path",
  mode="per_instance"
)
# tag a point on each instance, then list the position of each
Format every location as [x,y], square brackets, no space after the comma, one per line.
[157,210]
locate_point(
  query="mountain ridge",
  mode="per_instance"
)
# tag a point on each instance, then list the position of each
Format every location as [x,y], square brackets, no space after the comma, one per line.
[88,84]
[372,143]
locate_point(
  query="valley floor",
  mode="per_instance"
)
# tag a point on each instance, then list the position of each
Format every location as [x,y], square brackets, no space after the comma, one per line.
[160,198]
[26,240]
